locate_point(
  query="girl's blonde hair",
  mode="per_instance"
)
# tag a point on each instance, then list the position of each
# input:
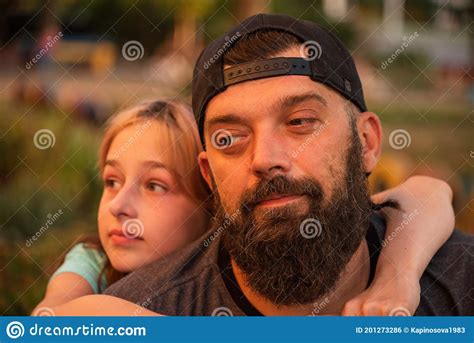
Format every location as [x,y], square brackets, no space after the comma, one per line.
[178,137]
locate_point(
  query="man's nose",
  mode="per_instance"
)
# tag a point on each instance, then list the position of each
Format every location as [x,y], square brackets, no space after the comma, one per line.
[269,156]
[124,202]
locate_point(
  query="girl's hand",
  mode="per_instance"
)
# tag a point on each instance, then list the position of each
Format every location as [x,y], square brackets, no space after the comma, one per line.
[395,296]
[414,234]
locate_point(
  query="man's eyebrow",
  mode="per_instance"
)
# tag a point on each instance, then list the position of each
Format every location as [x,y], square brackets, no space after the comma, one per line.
[226,119]
[292,100]
[285,102]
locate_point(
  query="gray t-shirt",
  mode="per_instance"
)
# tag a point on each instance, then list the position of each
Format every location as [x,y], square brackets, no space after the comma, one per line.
[198,280]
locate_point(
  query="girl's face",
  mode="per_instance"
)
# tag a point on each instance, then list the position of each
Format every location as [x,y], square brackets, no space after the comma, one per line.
[144,214]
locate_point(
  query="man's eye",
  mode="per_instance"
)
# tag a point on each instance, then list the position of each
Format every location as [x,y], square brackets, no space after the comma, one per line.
[302,121]
[223,139]
[156,187]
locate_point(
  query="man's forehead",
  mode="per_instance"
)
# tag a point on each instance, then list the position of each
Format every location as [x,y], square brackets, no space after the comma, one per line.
[268,95]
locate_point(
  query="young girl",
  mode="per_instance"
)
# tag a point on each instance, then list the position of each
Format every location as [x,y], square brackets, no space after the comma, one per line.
[155,202]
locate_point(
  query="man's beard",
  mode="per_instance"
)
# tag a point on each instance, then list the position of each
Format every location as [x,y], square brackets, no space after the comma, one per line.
[294,258]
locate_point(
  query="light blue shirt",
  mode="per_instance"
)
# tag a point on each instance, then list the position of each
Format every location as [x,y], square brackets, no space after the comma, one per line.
[86,262]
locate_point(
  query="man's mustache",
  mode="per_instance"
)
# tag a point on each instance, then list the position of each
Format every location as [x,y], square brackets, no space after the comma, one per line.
[280,184]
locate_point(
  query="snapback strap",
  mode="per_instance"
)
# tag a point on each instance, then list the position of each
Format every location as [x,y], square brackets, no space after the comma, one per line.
[266,68]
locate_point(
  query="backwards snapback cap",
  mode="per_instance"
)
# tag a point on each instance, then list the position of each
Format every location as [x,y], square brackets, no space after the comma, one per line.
[323,58]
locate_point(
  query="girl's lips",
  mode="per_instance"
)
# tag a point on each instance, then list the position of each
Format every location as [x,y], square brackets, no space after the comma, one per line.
[119,238]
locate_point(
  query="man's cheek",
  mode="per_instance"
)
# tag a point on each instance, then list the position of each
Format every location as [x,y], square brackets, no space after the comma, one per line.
[313,164]
[231,180]
[230,199]
[332,172]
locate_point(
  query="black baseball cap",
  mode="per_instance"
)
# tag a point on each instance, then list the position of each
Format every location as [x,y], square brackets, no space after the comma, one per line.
[324,59]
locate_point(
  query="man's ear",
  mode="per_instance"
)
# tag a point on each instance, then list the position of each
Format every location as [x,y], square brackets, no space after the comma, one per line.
[370,134]
[205,168]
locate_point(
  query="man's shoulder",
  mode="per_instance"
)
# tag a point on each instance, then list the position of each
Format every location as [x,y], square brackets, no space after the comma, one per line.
[447,285]
[181,270]
[458,251]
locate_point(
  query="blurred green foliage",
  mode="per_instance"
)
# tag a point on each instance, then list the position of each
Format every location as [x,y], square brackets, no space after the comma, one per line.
[35,184]
[38,182]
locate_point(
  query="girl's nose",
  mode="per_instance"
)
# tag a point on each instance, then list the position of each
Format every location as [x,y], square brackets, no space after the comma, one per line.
[123,204]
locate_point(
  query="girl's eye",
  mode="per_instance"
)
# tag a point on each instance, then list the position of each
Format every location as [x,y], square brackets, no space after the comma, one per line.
[156,187]
[111,183]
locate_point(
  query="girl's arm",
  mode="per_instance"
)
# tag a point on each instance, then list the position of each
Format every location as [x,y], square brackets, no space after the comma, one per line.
[414,234]
[61,289]
[77,276]
[101,305]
